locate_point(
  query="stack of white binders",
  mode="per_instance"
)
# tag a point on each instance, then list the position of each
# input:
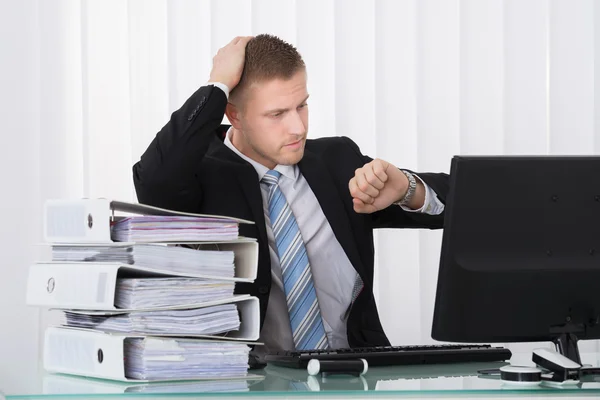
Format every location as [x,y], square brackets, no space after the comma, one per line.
[146,296]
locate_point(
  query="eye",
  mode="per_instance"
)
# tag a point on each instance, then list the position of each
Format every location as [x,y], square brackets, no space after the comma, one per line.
[277,114]
[302,105]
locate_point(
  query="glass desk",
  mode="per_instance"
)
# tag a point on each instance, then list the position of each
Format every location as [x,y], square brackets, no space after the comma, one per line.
[433,381]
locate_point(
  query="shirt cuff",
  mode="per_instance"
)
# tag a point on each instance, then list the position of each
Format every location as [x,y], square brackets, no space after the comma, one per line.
[221,86]
[431,206]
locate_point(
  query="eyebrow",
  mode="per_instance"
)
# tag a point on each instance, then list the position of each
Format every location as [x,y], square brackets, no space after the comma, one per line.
[281,110]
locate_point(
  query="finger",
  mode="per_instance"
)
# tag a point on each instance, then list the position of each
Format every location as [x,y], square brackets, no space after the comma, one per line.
[365,198]
[372,178]
[363,208]
[363,184]
[356,193]
[235,40]
[358,204]
[380,169]
[243,41]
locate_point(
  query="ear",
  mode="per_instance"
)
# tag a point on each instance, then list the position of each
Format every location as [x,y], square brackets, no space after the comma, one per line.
[233,115]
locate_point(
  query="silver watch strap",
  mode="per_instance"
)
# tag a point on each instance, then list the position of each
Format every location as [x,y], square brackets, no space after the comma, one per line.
[412,189]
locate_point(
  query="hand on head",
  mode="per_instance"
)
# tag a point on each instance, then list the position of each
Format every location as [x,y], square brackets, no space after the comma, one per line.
[228,63]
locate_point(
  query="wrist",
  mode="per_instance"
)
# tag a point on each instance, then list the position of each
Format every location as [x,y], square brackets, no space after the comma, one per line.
[220,80]
[402,196]
[221,86]
[410,191]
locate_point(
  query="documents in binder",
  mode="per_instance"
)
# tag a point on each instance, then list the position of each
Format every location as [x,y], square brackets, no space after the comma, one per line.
[141,293]
[128,357]
[236,318]
[89,221]
[164,228]
[236,260]
[103,286]
[212,320]
[152,358]
[146,294]
[176,259]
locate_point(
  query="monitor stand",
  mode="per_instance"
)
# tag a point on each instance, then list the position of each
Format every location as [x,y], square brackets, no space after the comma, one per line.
[566,344]
[565,340]
[566,335]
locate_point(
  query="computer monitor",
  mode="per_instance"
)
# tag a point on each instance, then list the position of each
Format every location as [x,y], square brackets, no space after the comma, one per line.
[520,258]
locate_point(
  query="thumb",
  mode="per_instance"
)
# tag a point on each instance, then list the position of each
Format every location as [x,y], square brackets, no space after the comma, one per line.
[362,208]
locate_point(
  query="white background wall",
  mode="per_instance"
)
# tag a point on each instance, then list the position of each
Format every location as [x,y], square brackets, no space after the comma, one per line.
[85,85]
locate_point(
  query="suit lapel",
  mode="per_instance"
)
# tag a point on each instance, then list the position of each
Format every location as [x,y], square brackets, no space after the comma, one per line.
[321,182]
[248,180]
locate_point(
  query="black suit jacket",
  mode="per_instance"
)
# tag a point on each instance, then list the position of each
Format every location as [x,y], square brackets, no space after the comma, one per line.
[187,167]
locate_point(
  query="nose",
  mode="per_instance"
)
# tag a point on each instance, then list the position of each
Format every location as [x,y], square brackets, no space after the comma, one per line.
[295,124]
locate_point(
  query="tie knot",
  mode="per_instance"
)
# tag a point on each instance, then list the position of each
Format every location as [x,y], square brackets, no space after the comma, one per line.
[271,177]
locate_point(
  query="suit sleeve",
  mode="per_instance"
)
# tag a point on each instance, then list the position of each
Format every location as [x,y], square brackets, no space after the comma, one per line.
[395,217]
[165,174]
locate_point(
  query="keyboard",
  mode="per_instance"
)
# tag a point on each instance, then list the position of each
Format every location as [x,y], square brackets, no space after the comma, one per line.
[396,355]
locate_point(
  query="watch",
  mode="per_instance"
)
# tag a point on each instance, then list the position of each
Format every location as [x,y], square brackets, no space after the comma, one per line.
[410,192]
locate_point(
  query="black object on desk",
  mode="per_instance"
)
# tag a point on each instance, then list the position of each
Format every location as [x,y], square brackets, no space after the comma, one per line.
[356,367]
[520,252]
[395,355]
[551,368]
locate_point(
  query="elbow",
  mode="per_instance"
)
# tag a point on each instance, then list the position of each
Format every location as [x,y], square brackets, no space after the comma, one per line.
[158,191]
[147,186]
[139,183]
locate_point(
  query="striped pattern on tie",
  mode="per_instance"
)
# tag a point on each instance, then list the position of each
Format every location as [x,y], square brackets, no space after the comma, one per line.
[303,306]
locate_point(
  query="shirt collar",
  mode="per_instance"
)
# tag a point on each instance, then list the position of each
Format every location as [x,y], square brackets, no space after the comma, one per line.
[289,171]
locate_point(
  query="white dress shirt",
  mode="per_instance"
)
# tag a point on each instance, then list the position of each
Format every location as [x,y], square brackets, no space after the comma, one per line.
[333,274]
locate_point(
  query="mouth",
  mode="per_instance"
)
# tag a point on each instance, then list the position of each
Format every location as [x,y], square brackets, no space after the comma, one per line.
[294,144]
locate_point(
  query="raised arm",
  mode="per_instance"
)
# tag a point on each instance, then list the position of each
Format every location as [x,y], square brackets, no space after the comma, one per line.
[165,174]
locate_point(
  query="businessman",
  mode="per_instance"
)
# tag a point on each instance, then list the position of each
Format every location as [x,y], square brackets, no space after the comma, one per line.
[315,203]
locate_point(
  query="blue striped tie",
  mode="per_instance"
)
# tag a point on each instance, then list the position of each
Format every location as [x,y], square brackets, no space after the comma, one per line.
[303,307]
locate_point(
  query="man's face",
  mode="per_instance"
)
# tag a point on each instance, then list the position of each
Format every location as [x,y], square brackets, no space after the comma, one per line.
[274,121]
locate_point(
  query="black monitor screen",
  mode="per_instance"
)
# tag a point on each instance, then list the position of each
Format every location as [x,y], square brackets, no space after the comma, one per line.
[520,258]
